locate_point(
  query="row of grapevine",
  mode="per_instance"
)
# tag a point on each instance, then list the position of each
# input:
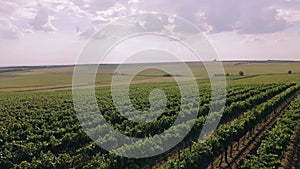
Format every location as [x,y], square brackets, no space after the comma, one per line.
[271,149]
[203,153]
[194,134]
[41,130]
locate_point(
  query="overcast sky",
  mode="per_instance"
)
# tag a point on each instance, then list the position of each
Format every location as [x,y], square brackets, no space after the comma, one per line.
[47,32]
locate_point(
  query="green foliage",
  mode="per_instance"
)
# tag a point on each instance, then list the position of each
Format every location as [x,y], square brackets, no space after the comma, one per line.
[241,73]
[204,152]
[270,151]
[41,129]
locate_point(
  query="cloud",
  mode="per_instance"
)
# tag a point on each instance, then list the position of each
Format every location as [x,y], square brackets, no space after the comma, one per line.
[96,5]
[221,16]
[11,31]
[253,38]
[42,20]
[244,17]
[106,10]
[16,9]
[86,33]
[110,14]
[289,15]
[212,16]
[215,16]
[6,9]
[263,20]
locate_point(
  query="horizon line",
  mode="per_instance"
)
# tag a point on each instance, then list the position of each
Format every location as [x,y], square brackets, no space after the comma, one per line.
[115,63]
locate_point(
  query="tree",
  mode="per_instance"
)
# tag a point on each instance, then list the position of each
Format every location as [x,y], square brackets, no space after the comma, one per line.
[241,73]
[167,75]
[290,72]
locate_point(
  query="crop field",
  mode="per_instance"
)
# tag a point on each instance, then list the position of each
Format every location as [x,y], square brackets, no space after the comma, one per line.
[60,77]
[259,127]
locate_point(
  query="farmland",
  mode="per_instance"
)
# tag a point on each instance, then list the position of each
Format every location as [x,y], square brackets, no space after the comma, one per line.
[259,127]
[60,77]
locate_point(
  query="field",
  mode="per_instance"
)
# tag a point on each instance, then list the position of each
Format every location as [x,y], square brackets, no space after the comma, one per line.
[259,128]
[60,77]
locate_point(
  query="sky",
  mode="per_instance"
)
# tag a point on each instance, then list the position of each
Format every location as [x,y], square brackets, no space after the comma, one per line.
[51,32]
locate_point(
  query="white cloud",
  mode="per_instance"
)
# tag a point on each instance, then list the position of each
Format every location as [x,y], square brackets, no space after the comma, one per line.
[213,16]
[11,31]
[133,1]
[290,15]
[253,38]
[264,20]
[113,13]
[99,19]
[42,21]
[87,32]
[16,9]
[7,9]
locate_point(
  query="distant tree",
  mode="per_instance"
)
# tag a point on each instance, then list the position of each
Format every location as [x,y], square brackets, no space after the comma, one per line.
[241,73]
[227,74]
[290,72]
[167,75]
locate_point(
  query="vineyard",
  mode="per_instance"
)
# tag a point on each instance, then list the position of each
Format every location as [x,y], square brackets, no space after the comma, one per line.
[163,84]
[259,129]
